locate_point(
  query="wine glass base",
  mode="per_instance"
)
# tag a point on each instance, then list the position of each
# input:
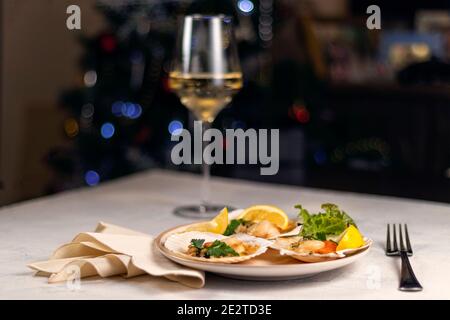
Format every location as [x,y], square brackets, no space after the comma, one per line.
[200,211]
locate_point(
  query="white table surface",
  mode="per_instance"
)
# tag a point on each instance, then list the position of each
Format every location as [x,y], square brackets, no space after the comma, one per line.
[31,230]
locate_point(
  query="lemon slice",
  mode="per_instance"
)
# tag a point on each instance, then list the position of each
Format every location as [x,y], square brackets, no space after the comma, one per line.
[217,225]
[265,212]
[351,239]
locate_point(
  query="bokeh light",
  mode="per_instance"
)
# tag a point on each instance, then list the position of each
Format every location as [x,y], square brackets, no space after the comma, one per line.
[87,111]
[71,127]
[175,127]
[90,78]
[300,113]
[107,130]
[131,110]
[246,6]
[92,178]
[320,157]
[126,109]
[137,112]
[108,43]
[117,107]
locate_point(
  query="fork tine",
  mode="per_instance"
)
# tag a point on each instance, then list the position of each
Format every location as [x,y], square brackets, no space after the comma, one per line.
[408,244]
[402,245]
[388,239]
[395,238]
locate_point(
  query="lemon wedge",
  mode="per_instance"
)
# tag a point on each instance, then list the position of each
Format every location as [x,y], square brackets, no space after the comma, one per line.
[266,212]
[350,239]
[217,225]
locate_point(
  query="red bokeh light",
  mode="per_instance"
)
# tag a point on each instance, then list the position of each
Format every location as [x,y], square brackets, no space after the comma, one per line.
[300,113]
[108,43]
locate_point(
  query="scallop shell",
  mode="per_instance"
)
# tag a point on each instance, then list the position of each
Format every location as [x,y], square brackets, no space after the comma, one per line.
[318,257]
[293,232]
[179,242]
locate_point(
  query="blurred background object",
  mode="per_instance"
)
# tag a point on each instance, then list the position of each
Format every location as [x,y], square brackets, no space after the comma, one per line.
[358,110]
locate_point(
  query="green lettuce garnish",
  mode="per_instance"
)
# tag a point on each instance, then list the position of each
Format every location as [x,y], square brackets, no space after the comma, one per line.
[324,225]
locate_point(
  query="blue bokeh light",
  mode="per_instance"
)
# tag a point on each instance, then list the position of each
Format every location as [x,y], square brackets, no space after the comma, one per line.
[92,178]
[117,107]
[320,157]
[128,108]
[131,110]
[107,130]
[137,112]
[246,6]
[175,127]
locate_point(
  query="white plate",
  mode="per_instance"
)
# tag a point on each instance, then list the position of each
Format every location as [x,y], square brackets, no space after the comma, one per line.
[270,266]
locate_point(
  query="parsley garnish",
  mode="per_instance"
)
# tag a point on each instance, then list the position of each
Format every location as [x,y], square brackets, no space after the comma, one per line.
[197,243]
[231,228]
[220,249]
[216,249]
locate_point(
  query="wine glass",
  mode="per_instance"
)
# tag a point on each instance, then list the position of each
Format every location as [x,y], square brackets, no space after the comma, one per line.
[205,75]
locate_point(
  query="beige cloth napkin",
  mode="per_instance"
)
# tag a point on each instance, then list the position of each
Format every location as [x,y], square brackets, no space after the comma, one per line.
[112,250]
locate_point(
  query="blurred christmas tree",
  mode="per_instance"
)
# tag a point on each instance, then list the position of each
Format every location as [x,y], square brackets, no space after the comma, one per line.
[117,114]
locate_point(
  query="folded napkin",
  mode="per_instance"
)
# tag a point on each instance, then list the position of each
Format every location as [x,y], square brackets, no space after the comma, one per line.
[112,250]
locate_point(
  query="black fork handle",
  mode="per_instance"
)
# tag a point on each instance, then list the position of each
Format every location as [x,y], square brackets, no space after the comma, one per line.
[408,280]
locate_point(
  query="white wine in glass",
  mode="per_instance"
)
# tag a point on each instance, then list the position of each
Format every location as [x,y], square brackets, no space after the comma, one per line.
[205,94]
[205,75]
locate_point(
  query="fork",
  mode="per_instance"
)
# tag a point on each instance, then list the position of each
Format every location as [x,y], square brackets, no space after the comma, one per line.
[408,281]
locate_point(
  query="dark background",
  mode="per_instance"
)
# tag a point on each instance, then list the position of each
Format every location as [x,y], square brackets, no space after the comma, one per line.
[359,110]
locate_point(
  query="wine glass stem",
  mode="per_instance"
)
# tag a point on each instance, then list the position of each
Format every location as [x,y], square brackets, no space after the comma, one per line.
[206,170]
